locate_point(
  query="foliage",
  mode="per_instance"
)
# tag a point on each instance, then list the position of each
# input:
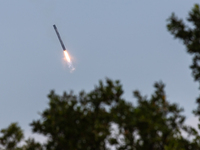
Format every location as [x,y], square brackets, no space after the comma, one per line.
[84,121]
[11,137]
[190,35]
[153,124]
[79,122]
[30,144]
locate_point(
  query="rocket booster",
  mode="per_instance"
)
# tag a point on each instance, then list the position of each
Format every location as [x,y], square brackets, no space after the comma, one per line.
[61,42]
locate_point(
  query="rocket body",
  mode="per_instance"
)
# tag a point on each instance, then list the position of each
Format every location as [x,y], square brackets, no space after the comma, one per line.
[61,42]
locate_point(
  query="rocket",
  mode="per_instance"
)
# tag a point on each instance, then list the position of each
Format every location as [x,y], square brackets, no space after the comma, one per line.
[61,42]
[64,50]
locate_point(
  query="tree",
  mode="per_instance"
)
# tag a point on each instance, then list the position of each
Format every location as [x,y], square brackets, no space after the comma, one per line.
[84,121]
[11,137]
[31,144]
[79,122]
[153,124]
[190,35]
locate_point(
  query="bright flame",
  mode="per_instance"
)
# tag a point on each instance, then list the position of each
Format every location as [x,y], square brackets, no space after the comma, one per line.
[69,61]
[67,56]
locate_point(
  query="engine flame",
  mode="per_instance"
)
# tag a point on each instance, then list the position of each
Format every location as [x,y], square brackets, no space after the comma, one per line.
[71,67]
[67,56]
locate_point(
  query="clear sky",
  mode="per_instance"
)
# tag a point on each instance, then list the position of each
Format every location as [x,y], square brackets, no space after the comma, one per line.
[119,39]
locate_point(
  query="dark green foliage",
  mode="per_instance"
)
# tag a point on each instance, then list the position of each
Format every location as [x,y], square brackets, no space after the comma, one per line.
[79,122]
[84,121]
[32,145]
[11,136]
[153,124]
[190,35]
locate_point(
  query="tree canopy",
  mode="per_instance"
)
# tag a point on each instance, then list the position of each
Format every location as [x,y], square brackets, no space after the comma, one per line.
[102,119]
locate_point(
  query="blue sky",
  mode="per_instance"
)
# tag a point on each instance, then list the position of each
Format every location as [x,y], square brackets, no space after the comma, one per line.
[125,40]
